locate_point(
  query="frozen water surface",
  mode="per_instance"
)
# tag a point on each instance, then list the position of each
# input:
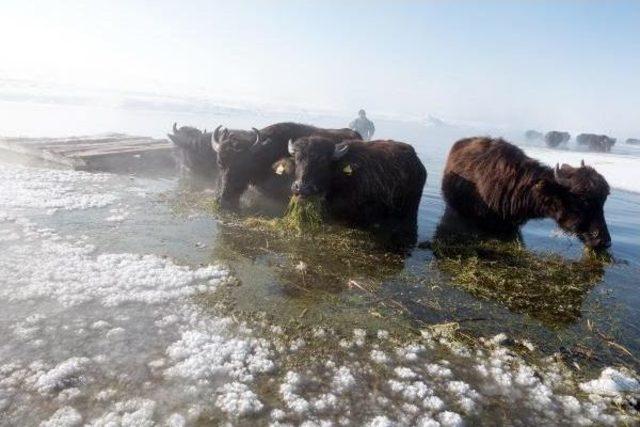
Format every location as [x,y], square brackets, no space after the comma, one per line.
[111,313]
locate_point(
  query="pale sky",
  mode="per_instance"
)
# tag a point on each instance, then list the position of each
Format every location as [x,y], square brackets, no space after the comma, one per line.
[571,64]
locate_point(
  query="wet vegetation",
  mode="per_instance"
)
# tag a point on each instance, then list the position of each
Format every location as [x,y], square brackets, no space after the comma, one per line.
[300,272]
[547,286]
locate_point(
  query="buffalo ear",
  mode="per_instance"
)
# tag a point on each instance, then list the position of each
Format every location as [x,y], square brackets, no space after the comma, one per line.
[340,150]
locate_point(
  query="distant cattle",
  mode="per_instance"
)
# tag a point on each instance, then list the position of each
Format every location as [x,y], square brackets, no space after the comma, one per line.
[195,155]
[555,138]
[533,135]
[602,143]
[497,186]
[377,184]
[247,158]
[633,141]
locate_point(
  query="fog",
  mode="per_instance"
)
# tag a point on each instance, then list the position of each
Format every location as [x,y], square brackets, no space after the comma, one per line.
[519,65]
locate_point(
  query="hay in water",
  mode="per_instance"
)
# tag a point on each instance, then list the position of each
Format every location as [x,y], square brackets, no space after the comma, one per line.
[304,215]
[548,286]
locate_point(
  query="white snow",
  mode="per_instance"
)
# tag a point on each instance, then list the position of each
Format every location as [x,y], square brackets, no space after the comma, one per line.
[289,392]
[620,171]
[66,374]
[207,352]
[63,417]
[612,382]
[134,413]
[450,419]
[23,187]
[238,400]
[176,420]
[343,380]
[378,356]
[382,421]
[70,273]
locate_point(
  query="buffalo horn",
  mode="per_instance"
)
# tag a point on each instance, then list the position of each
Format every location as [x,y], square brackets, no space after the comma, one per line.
[290,147]
[257,132]
[216,134]
[340,150]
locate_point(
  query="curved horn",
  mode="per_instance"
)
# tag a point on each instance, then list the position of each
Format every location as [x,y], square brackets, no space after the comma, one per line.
[556,171]
[216,134]
[582,163]
[290,147]
[257,132]
[175,128]
[340,150]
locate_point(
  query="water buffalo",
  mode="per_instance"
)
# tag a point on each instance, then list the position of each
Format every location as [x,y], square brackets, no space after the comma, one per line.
[196,158]
[602,143]
[533,135]
[246,158]
[633,141]
[495,184]
[374,184]
[555,138]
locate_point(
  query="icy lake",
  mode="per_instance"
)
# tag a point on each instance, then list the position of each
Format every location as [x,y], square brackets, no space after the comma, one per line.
[117,308]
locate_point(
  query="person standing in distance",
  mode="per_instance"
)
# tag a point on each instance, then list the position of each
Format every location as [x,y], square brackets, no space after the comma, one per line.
[363,126]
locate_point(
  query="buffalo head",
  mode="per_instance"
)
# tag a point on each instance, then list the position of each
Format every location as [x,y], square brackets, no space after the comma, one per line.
[238,153]
[314,158]
[580,194]
[194,152]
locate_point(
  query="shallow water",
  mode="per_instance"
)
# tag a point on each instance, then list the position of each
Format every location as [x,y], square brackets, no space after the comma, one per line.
[121,308]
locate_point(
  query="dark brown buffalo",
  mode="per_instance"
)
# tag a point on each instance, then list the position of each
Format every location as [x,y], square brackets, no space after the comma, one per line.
[195,156]
[602,143]
[555,138]
[246,158]
[533,135]
[495,184]
[372,184]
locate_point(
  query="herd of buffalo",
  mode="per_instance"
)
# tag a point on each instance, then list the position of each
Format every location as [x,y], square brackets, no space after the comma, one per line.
[591,141]
[378,184]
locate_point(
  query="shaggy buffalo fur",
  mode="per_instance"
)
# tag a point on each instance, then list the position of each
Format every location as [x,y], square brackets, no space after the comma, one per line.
[555,138]
[366,184]
[495,184]
[195,156]
[246,158]
[594,142]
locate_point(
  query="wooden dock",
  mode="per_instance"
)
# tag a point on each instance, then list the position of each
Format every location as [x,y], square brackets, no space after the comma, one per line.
[112,152]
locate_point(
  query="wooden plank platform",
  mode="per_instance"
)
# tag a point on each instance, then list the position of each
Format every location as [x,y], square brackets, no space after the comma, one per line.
[112,152]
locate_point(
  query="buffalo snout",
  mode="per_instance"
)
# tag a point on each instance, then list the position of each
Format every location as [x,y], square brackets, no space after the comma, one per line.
[303,189]
[597,239]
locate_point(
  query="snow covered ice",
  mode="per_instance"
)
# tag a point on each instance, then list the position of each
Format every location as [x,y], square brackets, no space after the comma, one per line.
[91,337]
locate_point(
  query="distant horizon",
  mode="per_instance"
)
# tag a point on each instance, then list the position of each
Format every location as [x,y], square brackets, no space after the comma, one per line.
[540,65]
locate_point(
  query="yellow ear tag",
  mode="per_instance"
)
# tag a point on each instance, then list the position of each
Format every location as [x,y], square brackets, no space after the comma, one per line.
[280,169]
[347,170]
